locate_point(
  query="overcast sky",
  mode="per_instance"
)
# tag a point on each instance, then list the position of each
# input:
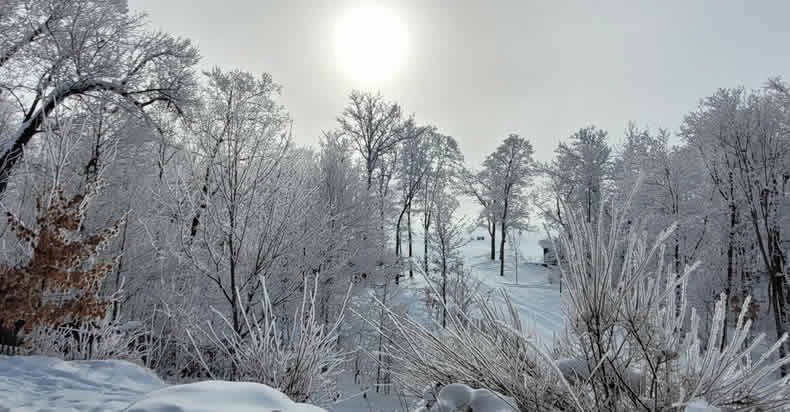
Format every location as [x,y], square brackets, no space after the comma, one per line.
[480,70]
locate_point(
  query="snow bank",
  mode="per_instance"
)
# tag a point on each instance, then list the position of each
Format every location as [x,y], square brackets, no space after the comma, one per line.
[211,396]
[38,383]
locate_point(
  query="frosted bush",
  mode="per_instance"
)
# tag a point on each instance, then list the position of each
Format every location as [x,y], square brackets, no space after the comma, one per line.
[635,345]
[632,341]
[300,359]
[101,339]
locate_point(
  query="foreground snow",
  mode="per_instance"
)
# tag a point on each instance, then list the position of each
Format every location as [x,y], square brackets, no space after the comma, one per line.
[211,396]
[37,383]
[458,397]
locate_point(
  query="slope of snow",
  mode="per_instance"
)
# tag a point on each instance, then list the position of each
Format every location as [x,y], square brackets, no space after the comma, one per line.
[538,302]
[37,383]
[42,384]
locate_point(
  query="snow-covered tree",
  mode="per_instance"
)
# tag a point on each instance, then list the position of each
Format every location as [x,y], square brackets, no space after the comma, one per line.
[415,162]
[70,55]
[446,163]
[581,171]
[374,126]
[744,141]
[510,168]
[479,186]
[674,189]
[240,217]
[447,238]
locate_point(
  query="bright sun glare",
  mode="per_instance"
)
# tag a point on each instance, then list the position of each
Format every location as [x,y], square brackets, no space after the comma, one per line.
[370,43]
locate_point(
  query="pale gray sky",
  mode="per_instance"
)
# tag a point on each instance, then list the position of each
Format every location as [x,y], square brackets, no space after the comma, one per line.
[480,70]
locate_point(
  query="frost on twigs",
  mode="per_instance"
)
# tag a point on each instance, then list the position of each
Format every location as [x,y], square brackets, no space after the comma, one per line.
[635,345]
[102,339]
[300,358]
[483,346]
[60,282]
[632,341]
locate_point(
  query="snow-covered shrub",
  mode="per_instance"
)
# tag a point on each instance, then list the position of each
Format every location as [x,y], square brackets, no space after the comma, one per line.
[484,347]
[297,356]
[631,344]
[90,340]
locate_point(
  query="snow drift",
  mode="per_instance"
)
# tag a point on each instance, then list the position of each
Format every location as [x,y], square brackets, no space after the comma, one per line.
[38,383]
[212,396]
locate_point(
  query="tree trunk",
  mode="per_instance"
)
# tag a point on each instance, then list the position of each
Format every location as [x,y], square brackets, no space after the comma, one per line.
[234,297]
[678,288]
[116,305]
[426,226]
[411,254]
[397,238]
[382,314]
[502,236]
[398,249]
[492,232]
[444,290]
[204,191]
[730,269]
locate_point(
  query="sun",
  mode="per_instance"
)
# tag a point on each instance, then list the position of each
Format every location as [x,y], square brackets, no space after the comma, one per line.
[370,43]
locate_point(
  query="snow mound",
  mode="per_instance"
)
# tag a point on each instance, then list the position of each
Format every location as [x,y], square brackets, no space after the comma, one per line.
[38,383]
[212,396]
[458,397]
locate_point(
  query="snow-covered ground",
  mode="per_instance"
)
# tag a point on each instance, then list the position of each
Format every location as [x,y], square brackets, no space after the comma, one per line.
[46,384]
[212,396]
[538,302]
[37,383]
